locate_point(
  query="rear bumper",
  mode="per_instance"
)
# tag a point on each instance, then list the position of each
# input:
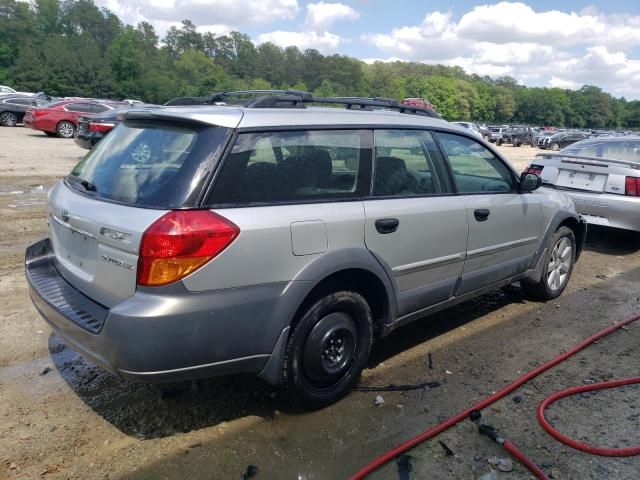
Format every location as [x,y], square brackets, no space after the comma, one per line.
[608,210]
[87,140]
[165,334]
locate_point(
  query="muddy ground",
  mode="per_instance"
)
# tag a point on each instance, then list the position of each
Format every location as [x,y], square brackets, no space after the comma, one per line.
[61,418]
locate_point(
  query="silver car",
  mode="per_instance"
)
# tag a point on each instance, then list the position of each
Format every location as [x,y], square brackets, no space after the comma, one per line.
[207,240]
[601,175]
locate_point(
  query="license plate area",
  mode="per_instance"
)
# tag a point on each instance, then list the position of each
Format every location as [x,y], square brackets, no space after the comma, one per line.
[77,251]
[581,180]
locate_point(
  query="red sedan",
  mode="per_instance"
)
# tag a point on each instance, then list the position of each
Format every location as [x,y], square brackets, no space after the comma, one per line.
[61,118]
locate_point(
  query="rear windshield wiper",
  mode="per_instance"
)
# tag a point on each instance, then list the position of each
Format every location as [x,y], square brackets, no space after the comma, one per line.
[86,184]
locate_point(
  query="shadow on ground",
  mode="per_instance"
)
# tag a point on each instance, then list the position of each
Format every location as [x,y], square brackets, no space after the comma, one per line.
[156,411]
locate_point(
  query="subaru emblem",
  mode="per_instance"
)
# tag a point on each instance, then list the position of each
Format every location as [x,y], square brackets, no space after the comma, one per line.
[65,215]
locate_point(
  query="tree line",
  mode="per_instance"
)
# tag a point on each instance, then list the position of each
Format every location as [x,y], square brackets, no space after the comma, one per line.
[75,48]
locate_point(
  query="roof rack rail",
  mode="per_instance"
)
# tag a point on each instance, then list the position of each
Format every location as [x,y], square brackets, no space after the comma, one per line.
[299,99]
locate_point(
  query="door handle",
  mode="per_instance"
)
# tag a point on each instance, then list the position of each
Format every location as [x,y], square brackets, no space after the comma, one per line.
[387,225]
[481,214]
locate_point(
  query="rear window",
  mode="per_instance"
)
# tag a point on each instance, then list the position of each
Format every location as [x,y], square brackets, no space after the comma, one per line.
[618,150]
[150,165]
[274,167]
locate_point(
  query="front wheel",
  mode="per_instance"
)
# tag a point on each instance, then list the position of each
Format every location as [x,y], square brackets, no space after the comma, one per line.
[558,266]
[8,119]
[66,129]
[555,147]
[328,350]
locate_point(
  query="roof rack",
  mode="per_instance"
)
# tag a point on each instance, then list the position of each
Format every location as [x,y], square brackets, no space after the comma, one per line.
[299,99]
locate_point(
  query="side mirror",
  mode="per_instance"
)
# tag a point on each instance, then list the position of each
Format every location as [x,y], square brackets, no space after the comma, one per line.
[529,182]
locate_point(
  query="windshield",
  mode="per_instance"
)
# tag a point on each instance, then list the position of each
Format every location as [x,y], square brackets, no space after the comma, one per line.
[606,148]
[156,165]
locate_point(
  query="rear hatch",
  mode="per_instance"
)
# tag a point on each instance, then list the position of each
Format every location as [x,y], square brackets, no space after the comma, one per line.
[137,173]
[595,166]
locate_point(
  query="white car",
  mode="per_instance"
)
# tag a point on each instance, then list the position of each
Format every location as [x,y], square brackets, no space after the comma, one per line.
[472,127]
[601,175]
[4,90]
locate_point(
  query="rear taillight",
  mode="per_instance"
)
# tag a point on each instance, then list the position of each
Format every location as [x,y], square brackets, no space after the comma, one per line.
[180,242]
[100,127]
[632,186]
[535,169]
[40,113]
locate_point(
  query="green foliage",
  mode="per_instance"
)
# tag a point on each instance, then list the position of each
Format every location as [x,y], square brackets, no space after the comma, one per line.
[73,47]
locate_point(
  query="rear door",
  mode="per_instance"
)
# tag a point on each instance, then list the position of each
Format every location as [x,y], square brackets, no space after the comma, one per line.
[504,225]
[414,225]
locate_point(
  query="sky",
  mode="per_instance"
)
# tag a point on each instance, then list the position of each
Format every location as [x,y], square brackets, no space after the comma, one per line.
[565,43]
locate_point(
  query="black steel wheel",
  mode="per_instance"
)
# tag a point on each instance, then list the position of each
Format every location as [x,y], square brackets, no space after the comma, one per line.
[328,350]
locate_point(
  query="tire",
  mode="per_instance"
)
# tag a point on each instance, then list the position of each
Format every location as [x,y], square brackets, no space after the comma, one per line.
[8,119]
[328,350]
[555,147]
[66,129]
[516,143]
[552,283]
[499,142]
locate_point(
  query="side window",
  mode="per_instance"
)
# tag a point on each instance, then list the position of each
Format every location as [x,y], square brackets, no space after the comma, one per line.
[97,108]
[314,165]
[408,163]
[475,168]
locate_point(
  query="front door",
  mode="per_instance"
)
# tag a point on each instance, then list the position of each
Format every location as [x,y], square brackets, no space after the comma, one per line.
[504,225]
[414,225]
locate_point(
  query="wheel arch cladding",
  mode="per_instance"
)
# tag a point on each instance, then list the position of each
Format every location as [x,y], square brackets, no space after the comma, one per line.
[579,229]
[358,280]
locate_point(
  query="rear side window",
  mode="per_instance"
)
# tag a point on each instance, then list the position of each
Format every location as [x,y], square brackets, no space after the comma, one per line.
[78,107]
[475,168]
[408,163]
[155,165]
[315,165]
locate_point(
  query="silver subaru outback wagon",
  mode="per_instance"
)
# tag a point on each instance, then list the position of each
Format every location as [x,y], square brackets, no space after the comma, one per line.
[212,240]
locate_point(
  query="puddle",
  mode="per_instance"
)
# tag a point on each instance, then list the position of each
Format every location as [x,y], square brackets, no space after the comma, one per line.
[36,195]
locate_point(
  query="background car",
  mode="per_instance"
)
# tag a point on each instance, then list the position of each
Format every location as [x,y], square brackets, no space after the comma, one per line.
[91,129]
[518,135]
[13,108]
[601,175]
[472,127]
[560,140]
[61,118]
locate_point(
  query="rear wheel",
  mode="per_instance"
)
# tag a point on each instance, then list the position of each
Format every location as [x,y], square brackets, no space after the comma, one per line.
[8,119]
[516,143]
[328,350]
[498,142]
[555,147]
[66,129]
[558,266]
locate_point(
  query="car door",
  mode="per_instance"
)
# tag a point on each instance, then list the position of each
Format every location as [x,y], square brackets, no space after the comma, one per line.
[414,225]
[504,225]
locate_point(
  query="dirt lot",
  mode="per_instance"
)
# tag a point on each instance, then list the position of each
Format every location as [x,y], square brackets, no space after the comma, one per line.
[61,418]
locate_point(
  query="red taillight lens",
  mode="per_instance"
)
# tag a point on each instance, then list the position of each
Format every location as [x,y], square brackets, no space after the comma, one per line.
[535,169]
[180,242]
[100,127]
[40,113]
[632,186]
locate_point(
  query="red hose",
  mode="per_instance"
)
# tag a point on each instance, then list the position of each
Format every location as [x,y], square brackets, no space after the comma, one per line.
[436,430]
[605,452]
[522,458]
